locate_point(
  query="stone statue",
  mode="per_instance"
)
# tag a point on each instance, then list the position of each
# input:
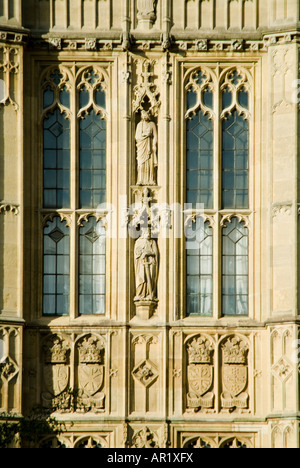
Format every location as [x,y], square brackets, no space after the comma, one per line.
[146,144]
[146,267]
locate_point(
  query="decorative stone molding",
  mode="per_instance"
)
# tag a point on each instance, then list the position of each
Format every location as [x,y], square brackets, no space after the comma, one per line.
[9,208]
[146,373]
[10,67]
[10,352]
[216,441]
[56,78]
[48,217]
[199,81]
[91,44]
[145,88]
[228,218]
[282,209]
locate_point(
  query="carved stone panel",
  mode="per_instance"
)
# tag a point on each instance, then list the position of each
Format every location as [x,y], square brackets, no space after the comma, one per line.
[56,372]
[90,374]
[234,395]
[283,364]
[146,378]
[10,352]
[200,374]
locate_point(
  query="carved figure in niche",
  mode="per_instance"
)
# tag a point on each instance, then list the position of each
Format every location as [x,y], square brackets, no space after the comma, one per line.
[146,145]
[146,267]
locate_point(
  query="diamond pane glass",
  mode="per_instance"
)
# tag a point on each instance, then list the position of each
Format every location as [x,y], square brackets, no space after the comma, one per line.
[56,161]
[235,160]
[235,269]
[92,240]
[92,142]
[56,270]
[199,264]
[199,174]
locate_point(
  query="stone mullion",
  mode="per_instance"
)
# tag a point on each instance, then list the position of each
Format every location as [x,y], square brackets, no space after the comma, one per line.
[74,180]
[164,160]
[217,181]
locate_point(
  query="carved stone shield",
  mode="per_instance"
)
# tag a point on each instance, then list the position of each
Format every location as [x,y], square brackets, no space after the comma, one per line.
[235,379]
[91,378]
[56,378]
[200,378]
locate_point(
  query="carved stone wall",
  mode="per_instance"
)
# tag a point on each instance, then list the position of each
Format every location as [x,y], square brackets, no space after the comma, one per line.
[145,374]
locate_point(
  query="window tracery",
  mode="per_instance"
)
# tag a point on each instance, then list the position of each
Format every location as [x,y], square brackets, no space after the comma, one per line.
[218,121]
[74,101]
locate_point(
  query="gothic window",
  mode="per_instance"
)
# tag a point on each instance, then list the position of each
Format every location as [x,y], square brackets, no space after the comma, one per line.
[56,144]
[217,152]
[235,143]
[199,272]
[74,121]
[92,145]
[56,268]
[92,268]
[234,268]
[199,143]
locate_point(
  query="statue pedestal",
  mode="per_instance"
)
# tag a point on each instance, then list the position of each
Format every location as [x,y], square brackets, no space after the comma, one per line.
[145,309]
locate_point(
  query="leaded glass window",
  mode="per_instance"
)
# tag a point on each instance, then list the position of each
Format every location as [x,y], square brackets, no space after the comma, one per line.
[234,268]
[200,272]
[56,144]
[56,268]
[200,160]
[235,144]
[74,125]
[92,161]
[199,142]
[92,268]
[217,153]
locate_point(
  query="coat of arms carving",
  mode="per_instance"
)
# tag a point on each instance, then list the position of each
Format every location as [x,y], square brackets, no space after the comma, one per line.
[200,374]
[234,374]
[90,374]
[56,370]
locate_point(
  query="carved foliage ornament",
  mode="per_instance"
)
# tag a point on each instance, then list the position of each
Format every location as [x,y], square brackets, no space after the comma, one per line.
[9,208]
[145,438]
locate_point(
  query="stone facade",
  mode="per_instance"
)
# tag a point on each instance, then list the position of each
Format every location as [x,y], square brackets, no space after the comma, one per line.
[144,374]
